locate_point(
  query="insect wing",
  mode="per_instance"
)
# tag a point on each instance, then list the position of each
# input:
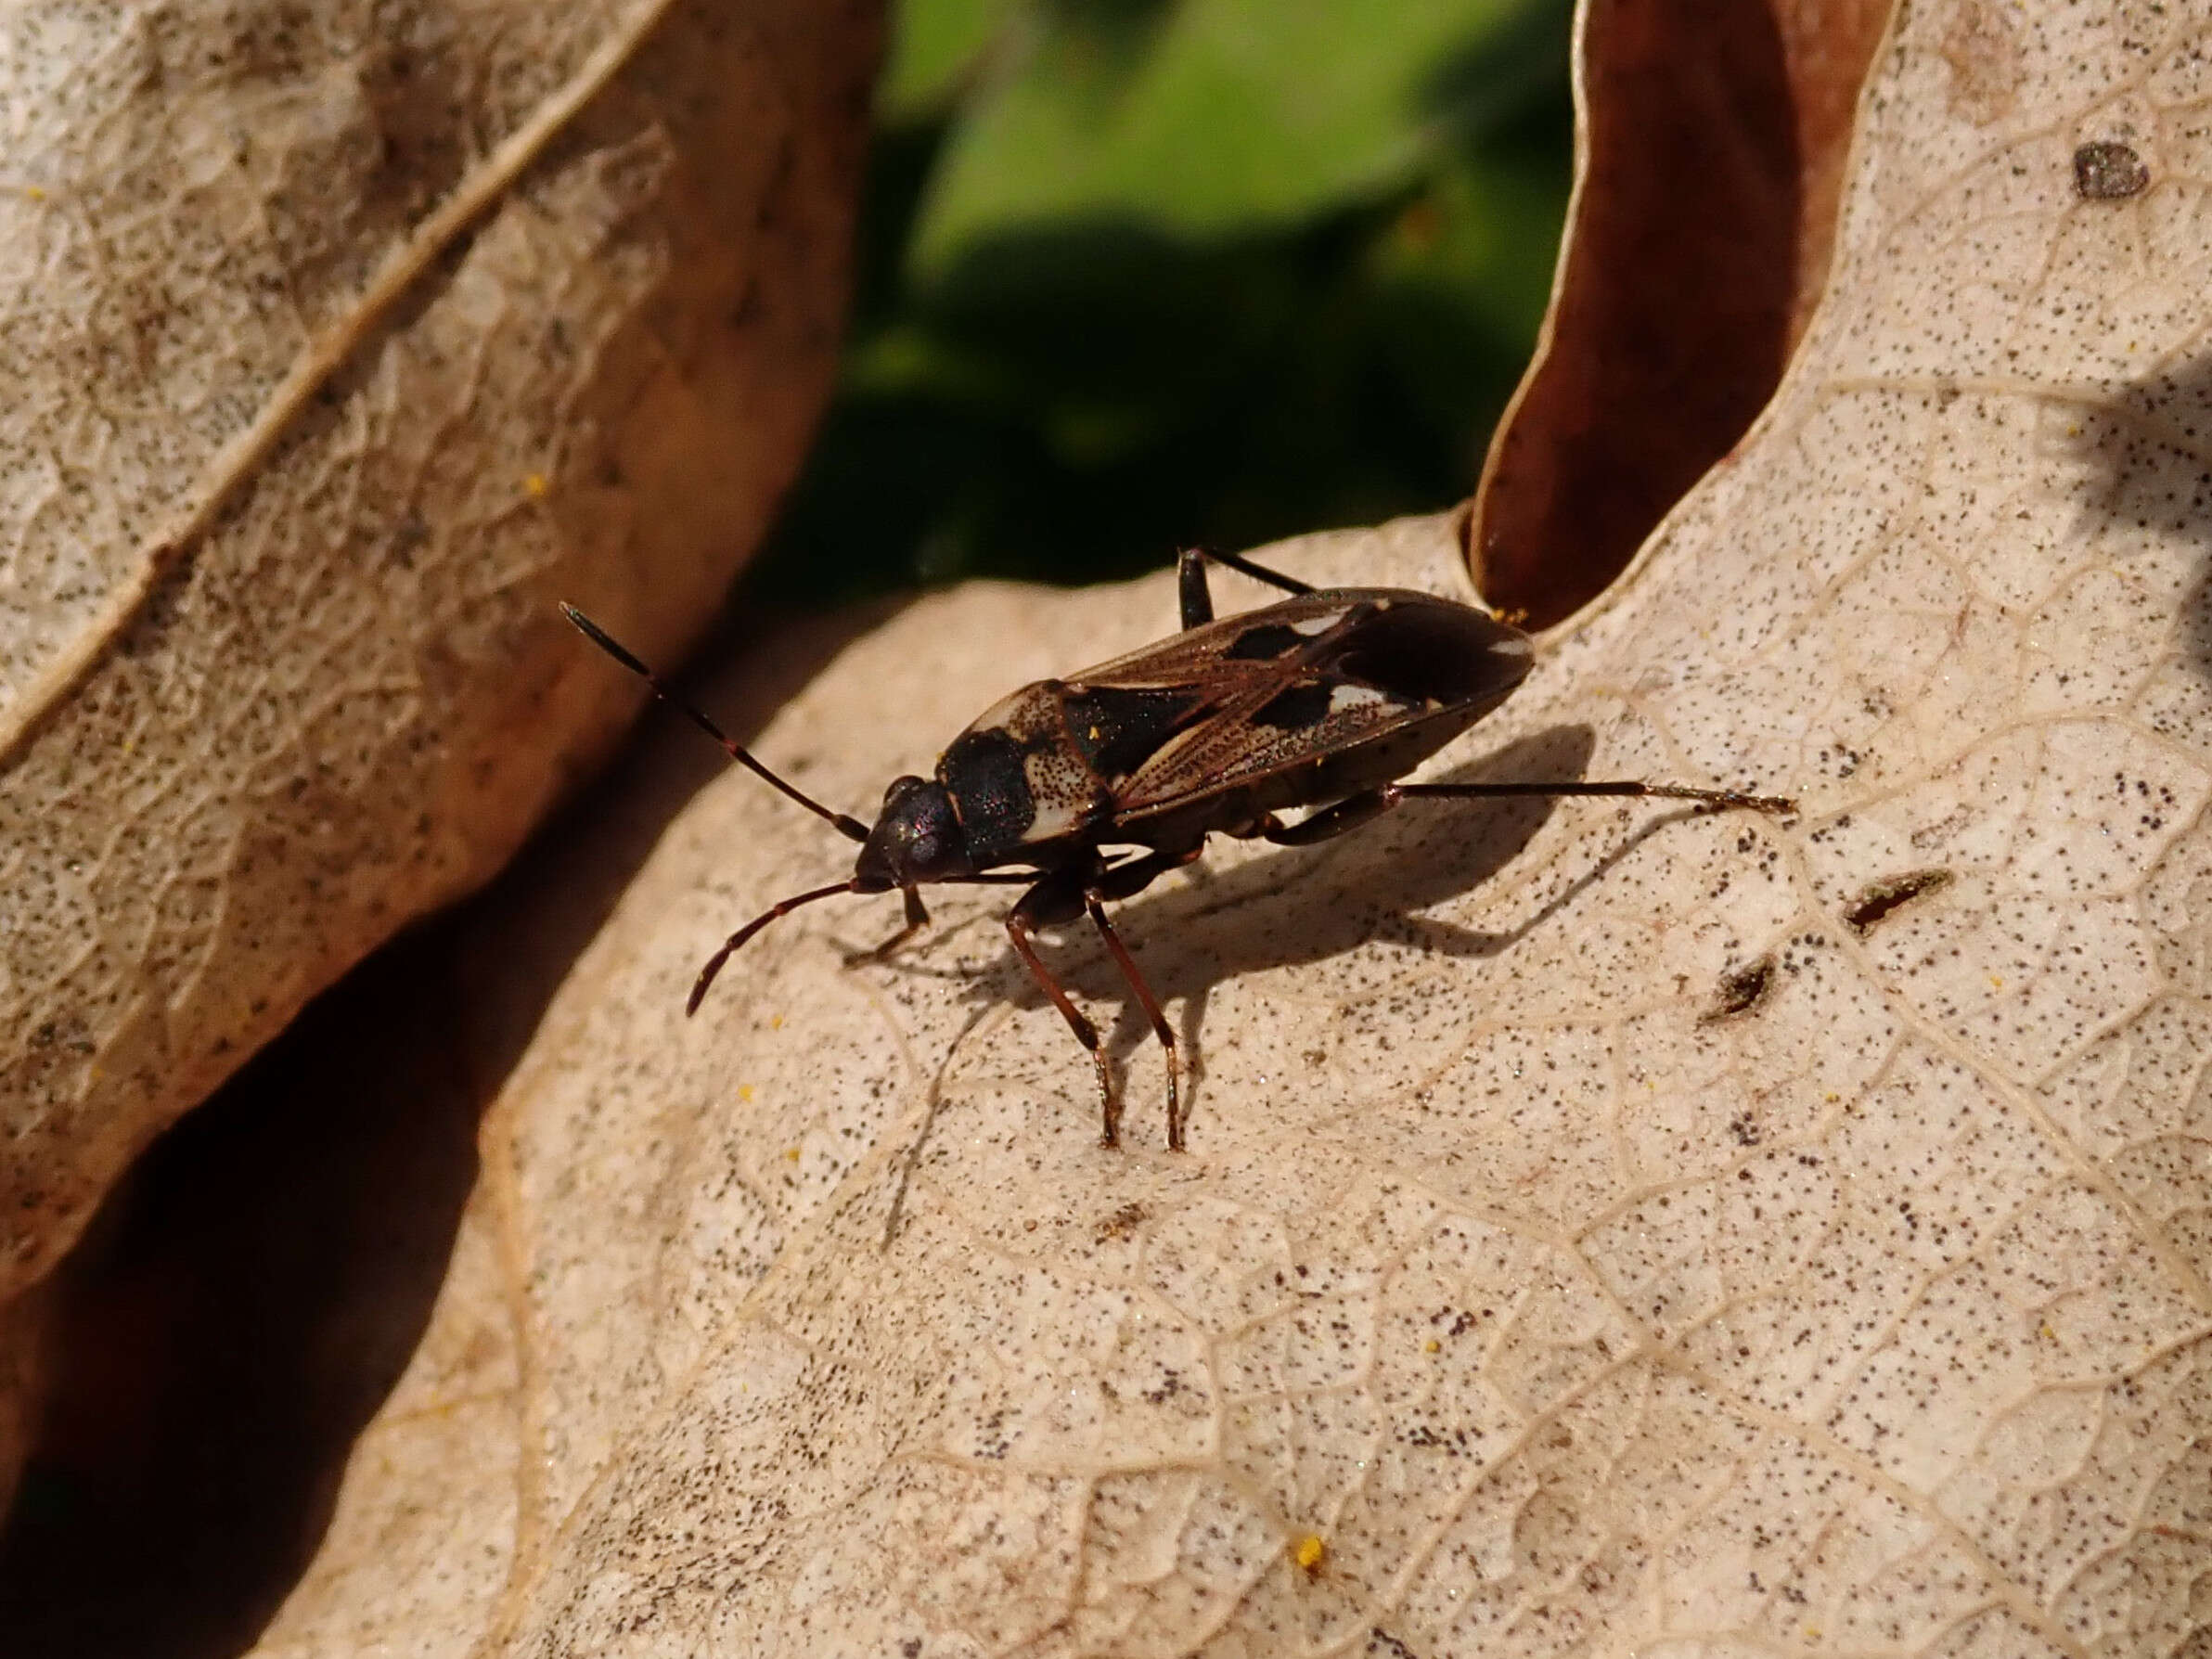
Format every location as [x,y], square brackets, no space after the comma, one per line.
[1050,760]
[1346,669]
[1236,652]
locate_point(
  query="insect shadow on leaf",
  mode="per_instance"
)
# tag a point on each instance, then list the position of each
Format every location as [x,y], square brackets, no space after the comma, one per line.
[1261,914]
[2131,457]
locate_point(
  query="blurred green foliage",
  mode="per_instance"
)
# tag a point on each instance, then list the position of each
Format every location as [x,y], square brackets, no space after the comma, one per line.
[1142,274]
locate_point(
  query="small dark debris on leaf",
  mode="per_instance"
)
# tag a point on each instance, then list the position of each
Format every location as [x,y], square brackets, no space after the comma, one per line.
[2109,171]
[1742,989]
[1123,1222]
[1879,899]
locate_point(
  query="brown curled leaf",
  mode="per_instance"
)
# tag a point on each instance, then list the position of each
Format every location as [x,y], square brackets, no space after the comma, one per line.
[1711,136]
[340,343]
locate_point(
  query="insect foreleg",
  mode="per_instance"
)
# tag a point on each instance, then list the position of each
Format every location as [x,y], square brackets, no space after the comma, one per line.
[918,917]
[1197,598]
[1058,898]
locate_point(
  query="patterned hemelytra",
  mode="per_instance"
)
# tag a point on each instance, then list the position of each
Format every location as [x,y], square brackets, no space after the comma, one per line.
[1089,788]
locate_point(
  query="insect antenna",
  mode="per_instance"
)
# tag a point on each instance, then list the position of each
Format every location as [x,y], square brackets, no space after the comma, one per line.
[851,828]
[736,942]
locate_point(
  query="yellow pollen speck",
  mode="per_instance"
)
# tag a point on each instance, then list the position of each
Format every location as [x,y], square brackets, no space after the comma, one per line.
[1309,1550]
[744,1091]
[33,192]
[775,1022]
[1833,1098]
[536,485]
[2049,1333]
[1996,983]
[1431,1346]
[1094,734]
[790,1155]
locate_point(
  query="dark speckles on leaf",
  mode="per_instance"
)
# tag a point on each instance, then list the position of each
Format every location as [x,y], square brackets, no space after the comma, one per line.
[1123,1222]
[2109,171]
[1300,707]
[1881,897]
[1741,990]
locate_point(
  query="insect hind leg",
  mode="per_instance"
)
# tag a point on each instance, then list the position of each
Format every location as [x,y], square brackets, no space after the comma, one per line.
[1197,598]
[1094,901]
[1057,899]
[1118,881]
[1332,821]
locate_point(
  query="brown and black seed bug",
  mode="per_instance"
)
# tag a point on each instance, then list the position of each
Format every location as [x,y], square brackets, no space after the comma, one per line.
[1322,699]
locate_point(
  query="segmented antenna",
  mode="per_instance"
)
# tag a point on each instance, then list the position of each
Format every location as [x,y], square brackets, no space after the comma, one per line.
[851,828]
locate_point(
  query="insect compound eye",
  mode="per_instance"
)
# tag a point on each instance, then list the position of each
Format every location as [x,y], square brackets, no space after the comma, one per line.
[926,851]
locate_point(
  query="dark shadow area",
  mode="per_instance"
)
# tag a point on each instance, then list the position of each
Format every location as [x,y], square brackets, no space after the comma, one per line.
[240,1306]
[249,1295]
[2149,455]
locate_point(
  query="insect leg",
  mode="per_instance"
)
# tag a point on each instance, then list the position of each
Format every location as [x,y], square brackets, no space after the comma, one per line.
[1094,901]
[918,917]
[1197,599]
[1356,810]
[1052,900]
[1118,881]
[1665,792]
[1332,821]
[1191,592]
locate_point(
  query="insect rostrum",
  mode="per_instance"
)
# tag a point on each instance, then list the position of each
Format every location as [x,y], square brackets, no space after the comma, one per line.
[1322,699]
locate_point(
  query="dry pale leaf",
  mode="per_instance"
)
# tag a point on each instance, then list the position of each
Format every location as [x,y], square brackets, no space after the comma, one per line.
[341,339]
[1605,1229]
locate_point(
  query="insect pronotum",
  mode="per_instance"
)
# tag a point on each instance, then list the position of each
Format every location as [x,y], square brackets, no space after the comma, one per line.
[1322,699]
